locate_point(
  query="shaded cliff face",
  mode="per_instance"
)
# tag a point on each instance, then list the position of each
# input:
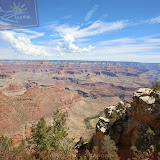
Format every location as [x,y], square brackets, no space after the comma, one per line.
[137,124]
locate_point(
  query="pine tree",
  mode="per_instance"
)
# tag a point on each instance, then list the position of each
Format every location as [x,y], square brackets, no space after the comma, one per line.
[51,137]
[5,143]
[61,141]
[41,136]
[156,87]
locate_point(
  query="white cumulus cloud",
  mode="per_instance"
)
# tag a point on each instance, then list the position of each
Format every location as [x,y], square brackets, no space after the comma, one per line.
[21,43]
[68,46]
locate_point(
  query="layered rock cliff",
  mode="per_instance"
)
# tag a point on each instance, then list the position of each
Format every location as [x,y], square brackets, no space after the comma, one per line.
[128,125]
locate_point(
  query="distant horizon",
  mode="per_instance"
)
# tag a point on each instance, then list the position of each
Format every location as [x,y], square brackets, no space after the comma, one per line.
[78,60]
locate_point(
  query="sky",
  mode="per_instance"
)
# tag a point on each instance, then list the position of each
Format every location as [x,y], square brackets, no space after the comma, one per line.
[98,30]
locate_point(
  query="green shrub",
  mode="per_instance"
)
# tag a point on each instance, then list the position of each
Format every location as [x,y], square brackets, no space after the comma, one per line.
[87,120]
[5,143]
[89,156]
[133,148]
[108,144]
[156,87]
[149,135]
[142,155]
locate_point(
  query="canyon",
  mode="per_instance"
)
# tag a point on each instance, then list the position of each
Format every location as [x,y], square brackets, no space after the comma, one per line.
[30,90]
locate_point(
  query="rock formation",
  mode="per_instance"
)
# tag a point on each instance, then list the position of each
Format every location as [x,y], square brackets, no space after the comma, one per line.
[137,124]
[144,113]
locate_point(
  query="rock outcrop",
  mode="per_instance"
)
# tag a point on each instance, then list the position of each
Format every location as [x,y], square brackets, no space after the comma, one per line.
[101,129]
[137,124]
[119,110]
[143,114]
[102,125]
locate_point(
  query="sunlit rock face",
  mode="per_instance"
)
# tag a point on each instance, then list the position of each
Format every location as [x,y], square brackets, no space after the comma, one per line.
[119,109]
[102,125]
[142,92]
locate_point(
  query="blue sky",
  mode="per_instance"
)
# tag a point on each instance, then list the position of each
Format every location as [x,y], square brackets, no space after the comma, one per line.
[110,30]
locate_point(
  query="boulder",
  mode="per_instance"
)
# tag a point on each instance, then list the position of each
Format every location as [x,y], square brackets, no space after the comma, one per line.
[143,92]
[102,125]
